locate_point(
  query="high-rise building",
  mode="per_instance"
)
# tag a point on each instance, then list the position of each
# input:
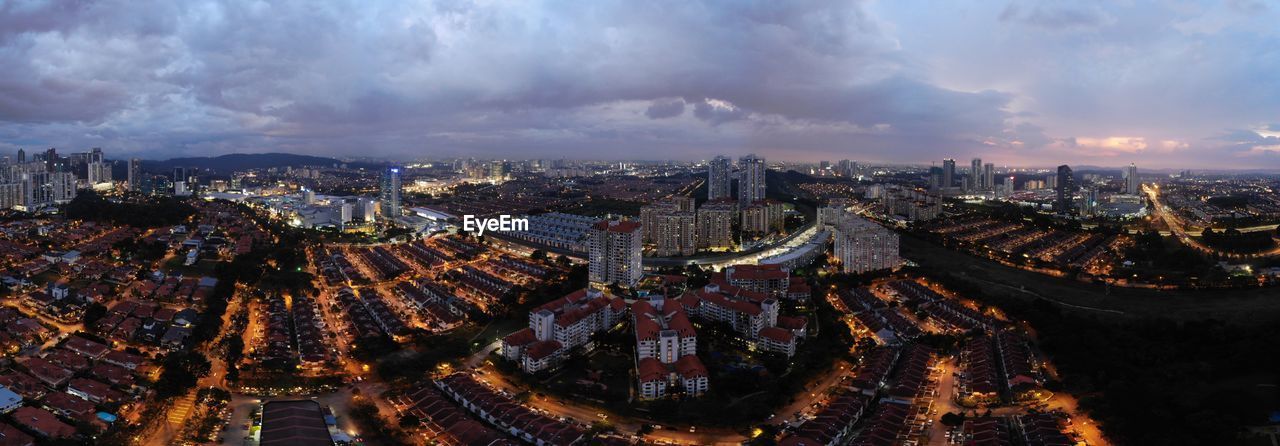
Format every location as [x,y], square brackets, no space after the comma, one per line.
[762,217]
[64,186]
[675,233]
[988,176]
[670,224]
[715,224]
[975,175]
[1131,182]
[135,174]
[344,212]
[1065,186]
[751,180]
[614,249]
[389,192]
[22,156]
[1089,202]
[862,245]
[948,173]
[98,172]
[368,210]
[11,195]
[719,176]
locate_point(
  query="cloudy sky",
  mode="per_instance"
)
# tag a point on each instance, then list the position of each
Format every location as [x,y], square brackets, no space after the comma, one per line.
[1180,84]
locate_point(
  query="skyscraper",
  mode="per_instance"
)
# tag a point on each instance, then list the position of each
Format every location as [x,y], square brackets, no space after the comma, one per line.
[975,174]
[988,176]
[1066,190]
[948,173]
[389,192]
[135,174]
[614,252]
[718,178]
[1131,182]
[751,182]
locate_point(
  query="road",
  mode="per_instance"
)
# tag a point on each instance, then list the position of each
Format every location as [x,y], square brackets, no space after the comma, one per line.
[1179,230]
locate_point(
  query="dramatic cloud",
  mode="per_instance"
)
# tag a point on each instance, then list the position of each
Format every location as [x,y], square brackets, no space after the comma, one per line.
[903,81]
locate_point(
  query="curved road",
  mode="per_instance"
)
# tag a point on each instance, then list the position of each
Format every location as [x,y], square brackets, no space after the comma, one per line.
[1177,229]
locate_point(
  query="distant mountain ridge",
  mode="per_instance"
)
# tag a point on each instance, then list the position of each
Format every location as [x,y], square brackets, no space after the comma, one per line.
[245,161]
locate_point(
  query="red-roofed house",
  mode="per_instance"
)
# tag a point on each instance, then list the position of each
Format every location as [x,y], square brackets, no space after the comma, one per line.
[570,321]
[42,422]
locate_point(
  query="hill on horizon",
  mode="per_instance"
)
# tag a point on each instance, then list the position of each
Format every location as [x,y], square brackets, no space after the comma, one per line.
[246,161]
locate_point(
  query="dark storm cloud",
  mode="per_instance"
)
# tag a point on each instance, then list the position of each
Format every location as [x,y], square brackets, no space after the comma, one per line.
[546,79]
[665,108]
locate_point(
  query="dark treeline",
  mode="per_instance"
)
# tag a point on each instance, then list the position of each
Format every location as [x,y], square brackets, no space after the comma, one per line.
[160,211]
[1233,240]
[1157,381]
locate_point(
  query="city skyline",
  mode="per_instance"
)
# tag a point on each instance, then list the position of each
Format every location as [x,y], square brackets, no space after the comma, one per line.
[1173,86]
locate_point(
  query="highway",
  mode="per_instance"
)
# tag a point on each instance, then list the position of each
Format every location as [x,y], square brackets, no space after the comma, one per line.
[1178,229]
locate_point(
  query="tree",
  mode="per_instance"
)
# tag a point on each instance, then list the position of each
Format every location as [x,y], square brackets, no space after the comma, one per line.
[182,369]
[93,313]
[952,419]
[409,421]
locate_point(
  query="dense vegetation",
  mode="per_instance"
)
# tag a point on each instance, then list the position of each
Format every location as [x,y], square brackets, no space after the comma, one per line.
[1155,381]
[1232,240]
[161,211]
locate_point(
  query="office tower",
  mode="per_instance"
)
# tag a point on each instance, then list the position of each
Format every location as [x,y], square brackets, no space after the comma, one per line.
[1090,204]
[135,174]
[988,176]
[1065,185]
[975,175]
[1132,184]
[179,174]
[719,173]
[715,224]
[344,212]
[862,245]
[948,173]
[751,181]
[614,252]
[389,192]
[368,210]
[22,156]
